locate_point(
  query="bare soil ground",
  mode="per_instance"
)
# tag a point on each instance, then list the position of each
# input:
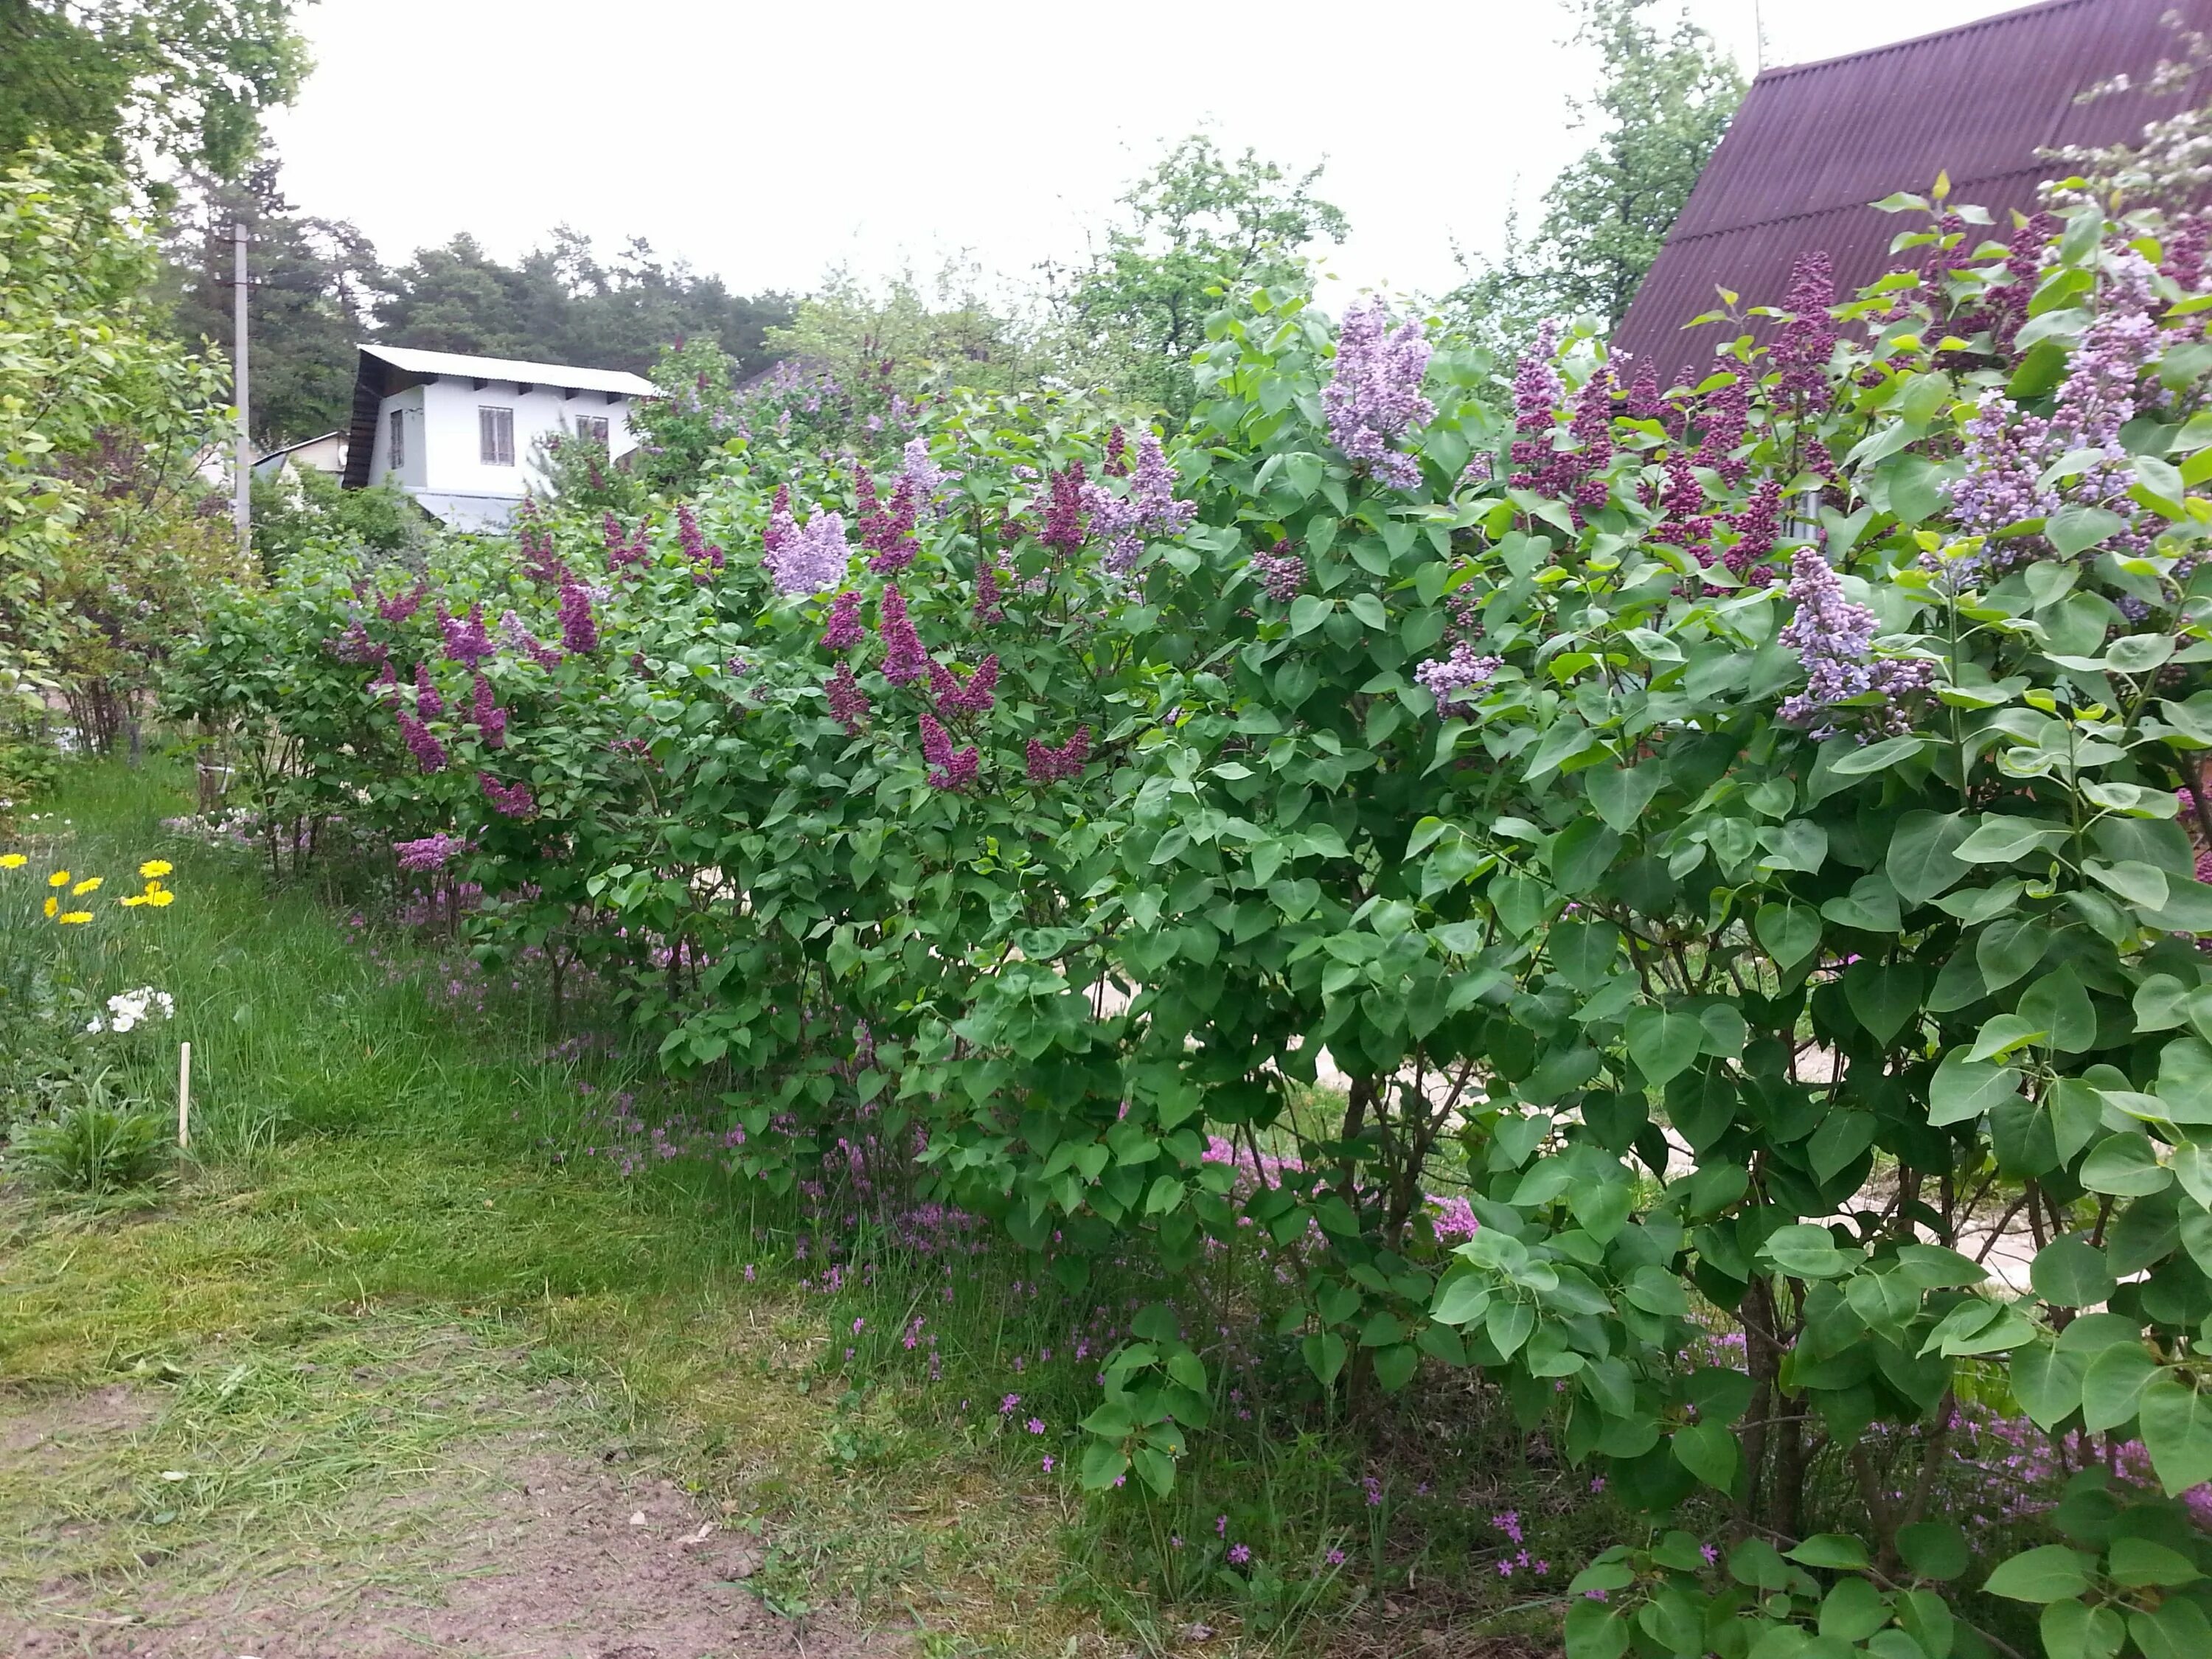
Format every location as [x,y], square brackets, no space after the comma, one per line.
[513,1543]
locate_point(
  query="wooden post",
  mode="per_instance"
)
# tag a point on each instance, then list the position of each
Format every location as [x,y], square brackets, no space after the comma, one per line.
[184,1094]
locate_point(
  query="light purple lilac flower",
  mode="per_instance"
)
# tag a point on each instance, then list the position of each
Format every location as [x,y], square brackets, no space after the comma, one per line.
[1448,679]
[1374,397]
[466,643]
[430,853]
[1833,638]
[1282,573]
[815,560]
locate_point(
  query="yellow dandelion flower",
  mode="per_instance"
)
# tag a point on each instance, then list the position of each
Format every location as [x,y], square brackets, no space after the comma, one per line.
[12,860]
[90,884]
[52,905]
[160,898]
[134,900]
[59,878]
[72,918]
[153,867]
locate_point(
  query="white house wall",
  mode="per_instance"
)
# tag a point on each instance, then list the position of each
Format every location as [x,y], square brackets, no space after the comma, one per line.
[444,456]
[409,402]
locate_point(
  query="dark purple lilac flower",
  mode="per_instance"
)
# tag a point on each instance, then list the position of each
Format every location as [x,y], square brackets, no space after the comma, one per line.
[949,769]
[1063,530]
[399,607]
[512,801]
[535,545]
[1051,764]
[887,531]
[429,705]
[466,643]
[388,681]
[849,704]
[844,630]
[988,607]
[490,718]
[1374,397]
[429,754]
[1757,527]
[1537,393]
[1808,340]
[1448,679]
[697,548]
[580,632]
[355,646]
[1723,418]
[958,699]
[1281,572]
[1116,464]
[903,662]
[1644,402]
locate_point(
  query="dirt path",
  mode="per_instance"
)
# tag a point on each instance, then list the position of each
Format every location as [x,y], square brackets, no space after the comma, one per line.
[506,1539]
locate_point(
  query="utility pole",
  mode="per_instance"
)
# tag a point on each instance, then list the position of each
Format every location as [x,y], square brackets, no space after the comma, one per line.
[242,502]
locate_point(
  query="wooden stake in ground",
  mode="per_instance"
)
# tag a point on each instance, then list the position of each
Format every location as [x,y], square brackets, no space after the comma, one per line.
[184,1096]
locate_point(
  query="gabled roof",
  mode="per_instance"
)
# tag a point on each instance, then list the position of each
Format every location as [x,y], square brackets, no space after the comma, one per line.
[412,361]
[1814,143]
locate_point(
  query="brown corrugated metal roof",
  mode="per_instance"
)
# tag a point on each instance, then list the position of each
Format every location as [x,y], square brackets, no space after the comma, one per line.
[1814,142]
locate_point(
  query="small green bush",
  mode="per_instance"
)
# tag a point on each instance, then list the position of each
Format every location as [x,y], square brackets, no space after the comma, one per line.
[96,1147]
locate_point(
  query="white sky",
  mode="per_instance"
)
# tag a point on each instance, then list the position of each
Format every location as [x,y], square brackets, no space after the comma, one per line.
[766,143]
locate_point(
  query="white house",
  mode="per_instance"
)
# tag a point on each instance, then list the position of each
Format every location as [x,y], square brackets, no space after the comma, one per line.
[461,434]
[325,454]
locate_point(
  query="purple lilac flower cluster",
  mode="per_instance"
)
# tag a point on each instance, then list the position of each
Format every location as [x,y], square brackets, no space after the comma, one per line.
[887,530]
[844,630]
[1833,638]
[1448,679]
[431,853]
[490,719]
[429,754]
[949,769]
[1757,528]
[813,561]
[920,468]
[1148,508]
[1808,340]
[396,608]
[1050,764]
[1537,389]
[1374,397]
[1281,572]
[517,637]
[355,648]
[624,553]
[705,555]
[428,703]
[849,704]
[466,642]
[512,801]
[958,699]
[903,660]
[579,631]
[2007,451]
[1064,532]
[990,595]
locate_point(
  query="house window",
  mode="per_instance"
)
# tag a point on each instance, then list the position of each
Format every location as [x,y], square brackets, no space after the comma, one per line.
[593,429]
[495,435]
[398,440]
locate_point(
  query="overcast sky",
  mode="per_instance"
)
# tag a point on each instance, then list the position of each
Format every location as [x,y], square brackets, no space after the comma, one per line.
[769,143]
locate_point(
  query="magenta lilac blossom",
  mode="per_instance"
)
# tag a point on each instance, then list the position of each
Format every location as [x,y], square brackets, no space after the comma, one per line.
[844,630]
[903,662]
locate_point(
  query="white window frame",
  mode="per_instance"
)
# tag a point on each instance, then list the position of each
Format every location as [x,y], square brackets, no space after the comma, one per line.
[396,460]
[596,428]
[496,435]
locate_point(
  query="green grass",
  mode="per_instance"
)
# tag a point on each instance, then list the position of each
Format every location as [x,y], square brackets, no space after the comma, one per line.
[369,1172]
